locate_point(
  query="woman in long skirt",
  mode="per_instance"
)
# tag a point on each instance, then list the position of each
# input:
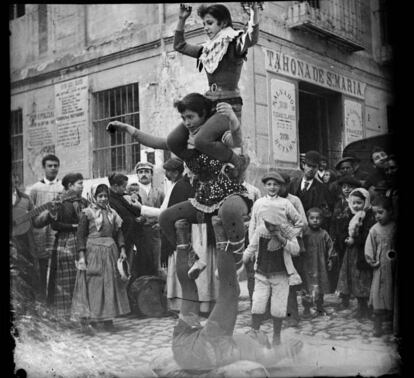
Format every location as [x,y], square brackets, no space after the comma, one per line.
[63,270]
[100,294]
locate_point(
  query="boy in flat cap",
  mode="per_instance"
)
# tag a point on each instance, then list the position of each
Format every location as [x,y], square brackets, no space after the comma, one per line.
[272,182]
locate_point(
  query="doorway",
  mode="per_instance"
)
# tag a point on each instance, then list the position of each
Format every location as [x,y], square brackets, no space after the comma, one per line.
[320,121]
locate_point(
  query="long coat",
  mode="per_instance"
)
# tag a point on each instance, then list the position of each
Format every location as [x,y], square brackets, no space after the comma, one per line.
[355,275]
[317,194]
[380,246]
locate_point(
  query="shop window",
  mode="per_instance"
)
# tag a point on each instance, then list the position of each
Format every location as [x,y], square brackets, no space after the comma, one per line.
[116,152]
[16,140]
[16,11]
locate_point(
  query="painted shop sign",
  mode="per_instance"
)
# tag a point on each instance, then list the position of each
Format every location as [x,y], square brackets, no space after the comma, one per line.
[283,120]
[353,121]
[287,65]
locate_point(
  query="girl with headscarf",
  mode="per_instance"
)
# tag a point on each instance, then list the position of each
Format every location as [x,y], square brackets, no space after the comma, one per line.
[62,268]
[100,294]
[355,275]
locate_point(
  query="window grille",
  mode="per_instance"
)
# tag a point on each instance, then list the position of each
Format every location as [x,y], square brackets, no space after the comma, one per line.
[16,139]
[116,152]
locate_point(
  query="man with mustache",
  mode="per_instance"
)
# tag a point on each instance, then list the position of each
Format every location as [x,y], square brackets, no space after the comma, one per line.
[153,197]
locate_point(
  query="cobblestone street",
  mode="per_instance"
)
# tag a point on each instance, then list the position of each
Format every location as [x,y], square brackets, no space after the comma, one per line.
[335,344]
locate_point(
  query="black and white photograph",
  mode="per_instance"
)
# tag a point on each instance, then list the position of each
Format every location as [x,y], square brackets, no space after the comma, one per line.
[205,190]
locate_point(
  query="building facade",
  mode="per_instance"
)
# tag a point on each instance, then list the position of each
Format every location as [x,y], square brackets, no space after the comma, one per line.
[319,78]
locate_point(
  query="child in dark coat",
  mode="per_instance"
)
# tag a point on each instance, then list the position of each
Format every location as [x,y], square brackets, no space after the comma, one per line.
[356,274]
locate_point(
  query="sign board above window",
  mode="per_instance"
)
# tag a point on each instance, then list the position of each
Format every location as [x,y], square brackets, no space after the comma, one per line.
[291,66]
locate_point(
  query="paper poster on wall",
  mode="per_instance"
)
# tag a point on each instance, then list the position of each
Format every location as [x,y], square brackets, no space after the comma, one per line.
[353,127]
[71,112]
[40,133]
[283,118]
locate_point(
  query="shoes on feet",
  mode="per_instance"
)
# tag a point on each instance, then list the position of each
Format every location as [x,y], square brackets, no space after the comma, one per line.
[196,269]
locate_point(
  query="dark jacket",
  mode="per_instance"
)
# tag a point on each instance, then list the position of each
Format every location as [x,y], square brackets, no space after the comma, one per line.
[317,194]
[128,214]
[182,191]
[68,214]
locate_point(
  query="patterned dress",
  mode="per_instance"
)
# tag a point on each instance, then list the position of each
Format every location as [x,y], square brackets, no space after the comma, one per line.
[212,186]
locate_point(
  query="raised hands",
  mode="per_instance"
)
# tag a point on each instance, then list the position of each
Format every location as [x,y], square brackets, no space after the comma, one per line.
[185,11]
[251,6]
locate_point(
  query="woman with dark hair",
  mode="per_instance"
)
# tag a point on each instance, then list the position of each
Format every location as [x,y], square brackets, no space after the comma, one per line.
[63,270]
[215,191]
[100,244]
[222,57]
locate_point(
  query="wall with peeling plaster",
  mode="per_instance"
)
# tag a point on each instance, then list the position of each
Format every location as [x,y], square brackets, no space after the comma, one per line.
[118,44]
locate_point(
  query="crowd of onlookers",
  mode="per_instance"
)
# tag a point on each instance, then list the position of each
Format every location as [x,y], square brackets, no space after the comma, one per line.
[336,229]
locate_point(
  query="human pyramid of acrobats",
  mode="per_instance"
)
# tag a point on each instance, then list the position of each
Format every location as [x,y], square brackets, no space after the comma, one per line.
[209,141]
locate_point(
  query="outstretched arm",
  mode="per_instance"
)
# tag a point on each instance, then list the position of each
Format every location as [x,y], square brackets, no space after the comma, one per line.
[143,138]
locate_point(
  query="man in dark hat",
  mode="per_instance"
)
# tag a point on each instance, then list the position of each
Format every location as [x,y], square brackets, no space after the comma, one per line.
[359,173]
[344,167]
[312,193]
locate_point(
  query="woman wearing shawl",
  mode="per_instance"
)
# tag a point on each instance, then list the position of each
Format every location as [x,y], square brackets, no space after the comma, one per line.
[355,275]
[63,270]
[100,294]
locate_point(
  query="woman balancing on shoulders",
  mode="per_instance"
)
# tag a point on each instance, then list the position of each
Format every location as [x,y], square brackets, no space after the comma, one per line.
[222,57]
[216,193]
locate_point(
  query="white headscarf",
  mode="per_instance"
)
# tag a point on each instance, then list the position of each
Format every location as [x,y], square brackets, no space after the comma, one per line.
[214,49]
[97,210]
[365,194]
[359,216]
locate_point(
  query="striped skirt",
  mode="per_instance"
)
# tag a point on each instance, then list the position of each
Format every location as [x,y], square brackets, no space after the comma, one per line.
[62,274]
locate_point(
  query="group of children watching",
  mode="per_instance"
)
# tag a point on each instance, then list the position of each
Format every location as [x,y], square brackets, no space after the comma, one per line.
[360,245]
